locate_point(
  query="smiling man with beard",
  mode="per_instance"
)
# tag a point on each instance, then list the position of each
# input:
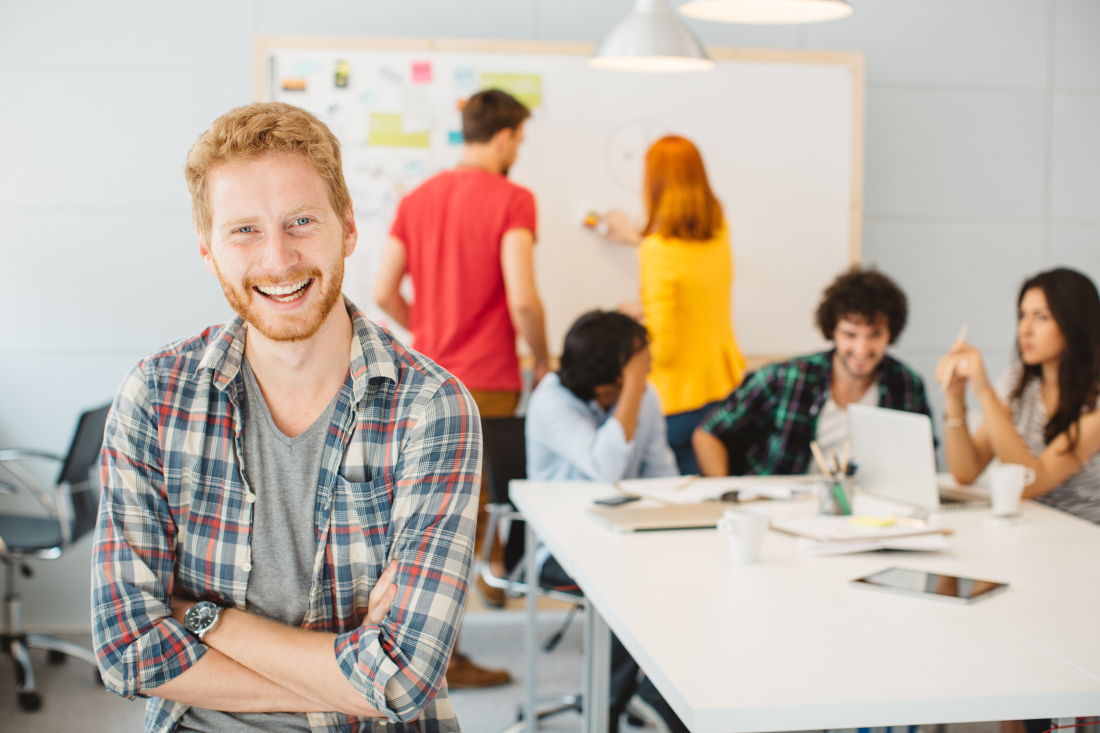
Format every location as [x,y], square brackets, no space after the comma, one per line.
[766,425]
[287,522]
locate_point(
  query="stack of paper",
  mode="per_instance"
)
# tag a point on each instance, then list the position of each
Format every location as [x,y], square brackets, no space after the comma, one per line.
[846,535]
[694,489]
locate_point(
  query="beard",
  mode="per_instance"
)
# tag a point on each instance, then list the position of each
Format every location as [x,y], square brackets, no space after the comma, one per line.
[287,327]
[846,362]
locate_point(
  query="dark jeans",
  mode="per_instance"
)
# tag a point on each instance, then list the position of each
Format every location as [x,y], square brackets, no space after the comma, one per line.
[680,427]
[624,670]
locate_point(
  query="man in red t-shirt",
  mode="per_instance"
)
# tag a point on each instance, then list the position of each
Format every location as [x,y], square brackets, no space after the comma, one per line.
[466,237]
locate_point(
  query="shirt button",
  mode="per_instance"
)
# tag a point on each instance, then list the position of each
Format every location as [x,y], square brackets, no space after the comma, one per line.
[250,498]
[246,567]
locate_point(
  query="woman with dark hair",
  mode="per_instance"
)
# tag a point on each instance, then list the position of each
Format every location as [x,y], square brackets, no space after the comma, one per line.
[1042,411]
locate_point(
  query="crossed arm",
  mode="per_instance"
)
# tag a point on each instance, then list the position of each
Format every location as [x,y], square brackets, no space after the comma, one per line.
[255,665]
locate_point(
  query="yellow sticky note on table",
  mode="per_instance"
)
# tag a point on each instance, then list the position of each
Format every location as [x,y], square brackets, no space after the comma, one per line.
[876,522]
[527,88]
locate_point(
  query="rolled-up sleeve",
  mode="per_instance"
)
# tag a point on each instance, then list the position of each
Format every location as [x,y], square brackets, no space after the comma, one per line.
[398,666]
[138,645]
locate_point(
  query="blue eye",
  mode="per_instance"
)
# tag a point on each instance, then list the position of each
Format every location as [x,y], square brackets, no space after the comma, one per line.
[302,220]
[245,230]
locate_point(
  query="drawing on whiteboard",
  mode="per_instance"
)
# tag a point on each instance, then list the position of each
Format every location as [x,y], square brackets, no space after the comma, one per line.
[390,74]
[527,88]
[625,149]
[416,110]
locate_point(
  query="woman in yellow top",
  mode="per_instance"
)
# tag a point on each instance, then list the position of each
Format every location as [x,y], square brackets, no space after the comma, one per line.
[686,278]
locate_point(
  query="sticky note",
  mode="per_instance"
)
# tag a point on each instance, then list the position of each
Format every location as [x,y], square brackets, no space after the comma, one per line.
[874,522]
[455,137]
[422,72]
[527,88]
[305,68]
[389,130]
[465,77]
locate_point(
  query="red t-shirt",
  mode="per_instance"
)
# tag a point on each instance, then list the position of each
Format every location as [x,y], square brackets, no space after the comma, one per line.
[452,226]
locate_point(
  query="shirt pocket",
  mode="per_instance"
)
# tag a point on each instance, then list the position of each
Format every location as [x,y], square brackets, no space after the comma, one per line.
[362,530]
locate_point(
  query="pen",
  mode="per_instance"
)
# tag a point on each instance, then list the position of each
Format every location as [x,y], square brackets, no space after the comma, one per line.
[951,367]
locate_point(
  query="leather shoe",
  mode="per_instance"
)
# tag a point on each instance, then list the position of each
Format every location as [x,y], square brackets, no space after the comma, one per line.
[493,596]
[464,674]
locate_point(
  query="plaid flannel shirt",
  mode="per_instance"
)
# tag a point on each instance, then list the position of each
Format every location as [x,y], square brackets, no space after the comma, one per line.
[769,421]
[400,474]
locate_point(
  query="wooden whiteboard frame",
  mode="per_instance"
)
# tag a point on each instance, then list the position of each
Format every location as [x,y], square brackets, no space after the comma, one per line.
[853,60]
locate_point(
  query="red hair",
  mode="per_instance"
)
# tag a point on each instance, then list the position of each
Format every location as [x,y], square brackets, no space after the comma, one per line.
[677,195]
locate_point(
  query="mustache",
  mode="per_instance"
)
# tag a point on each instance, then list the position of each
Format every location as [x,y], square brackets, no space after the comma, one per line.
[292,276]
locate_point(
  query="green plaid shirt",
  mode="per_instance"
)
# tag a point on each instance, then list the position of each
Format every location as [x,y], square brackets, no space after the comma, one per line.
[769,421]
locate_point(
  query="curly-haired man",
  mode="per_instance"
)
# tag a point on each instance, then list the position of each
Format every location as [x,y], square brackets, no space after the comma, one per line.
[767,424]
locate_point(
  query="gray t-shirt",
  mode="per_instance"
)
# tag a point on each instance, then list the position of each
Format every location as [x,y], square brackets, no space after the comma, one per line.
[283,473]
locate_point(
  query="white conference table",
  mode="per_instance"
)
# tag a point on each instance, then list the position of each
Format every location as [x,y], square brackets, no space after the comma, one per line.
[788,644]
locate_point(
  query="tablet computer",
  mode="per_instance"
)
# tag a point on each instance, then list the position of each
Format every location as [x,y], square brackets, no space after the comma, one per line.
[930,585]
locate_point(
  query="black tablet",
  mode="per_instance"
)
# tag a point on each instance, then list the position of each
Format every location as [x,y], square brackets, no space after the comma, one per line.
[930,585]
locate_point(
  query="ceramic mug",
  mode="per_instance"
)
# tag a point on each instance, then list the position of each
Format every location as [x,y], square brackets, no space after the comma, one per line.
[1006,486]
[744,530]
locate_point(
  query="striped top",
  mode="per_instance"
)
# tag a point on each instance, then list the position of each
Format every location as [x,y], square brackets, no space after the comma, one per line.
[399,478]
[1080,493]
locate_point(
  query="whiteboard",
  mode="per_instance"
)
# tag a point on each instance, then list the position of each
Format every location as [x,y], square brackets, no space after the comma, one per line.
[780,134]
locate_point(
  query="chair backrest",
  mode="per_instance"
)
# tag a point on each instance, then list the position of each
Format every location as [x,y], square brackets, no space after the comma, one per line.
[505,459]
[78,518]
[505,454]
[85,448]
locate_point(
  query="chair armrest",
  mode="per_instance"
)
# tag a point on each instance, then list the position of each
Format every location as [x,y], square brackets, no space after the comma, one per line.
[9,462]
[16,454]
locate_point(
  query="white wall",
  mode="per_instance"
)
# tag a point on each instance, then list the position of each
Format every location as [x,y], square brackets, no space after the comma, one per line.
[983,166]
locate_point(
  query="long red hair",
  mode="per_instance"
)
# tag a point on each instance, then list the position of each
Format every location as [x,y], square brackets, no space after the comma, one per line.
[677,194]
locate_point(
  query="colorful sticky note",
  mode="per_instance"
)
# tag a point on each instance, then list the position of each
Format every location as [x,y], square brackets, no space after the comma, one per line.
[294,85]
[305,68]
[340,74]
[422,72]
[527,88]
[465,77]
[455,137]
[388,129]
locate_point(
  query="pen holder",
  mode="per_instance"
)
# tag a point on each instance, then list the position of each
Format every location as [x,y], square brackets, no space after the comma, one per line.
[836,496]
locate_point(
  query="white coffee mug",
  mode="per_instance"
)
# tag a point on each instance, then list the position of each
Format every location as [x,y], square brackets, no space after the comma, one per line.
[744,530]
[1006,485]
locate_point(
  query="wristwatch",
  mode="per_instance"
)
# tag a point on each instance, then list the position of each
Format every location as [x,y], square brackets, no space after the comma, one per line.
[202,617]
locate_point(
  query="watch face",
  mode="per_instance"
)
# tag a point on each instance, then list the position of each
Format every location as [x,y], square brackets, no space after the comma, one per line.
[201,615]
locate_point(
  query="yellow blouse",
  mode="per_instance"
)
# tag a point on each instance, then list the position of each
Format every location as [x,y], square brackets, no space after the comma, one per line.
[686,288]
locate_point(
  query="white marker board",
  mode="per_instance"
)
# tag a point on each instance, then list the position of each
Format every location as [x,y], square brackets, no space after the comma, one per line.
[781,134]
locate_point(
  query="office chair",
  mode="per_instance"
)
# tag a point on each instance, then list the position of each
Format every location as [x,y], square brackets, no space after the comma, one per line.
[71,510]
[506,459]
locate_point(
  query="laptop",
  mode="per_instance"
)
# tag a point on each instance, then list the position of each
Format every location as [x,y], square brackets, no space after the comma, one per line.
[896,459]
[704,515]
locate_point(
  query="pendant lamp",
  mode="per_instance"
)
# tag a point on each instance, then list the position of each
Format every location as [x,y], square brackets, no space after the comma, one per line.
[651,39]
[767,11]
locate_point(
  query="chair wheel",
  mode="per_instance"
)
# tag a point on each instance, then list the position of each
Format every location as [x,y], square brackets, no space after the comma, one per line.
[30,701]
[55,657]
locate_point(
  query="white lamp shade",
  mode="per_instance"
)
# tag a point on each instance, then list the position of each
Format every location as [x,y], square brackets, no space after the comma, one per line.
[651,39]
[768,12]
